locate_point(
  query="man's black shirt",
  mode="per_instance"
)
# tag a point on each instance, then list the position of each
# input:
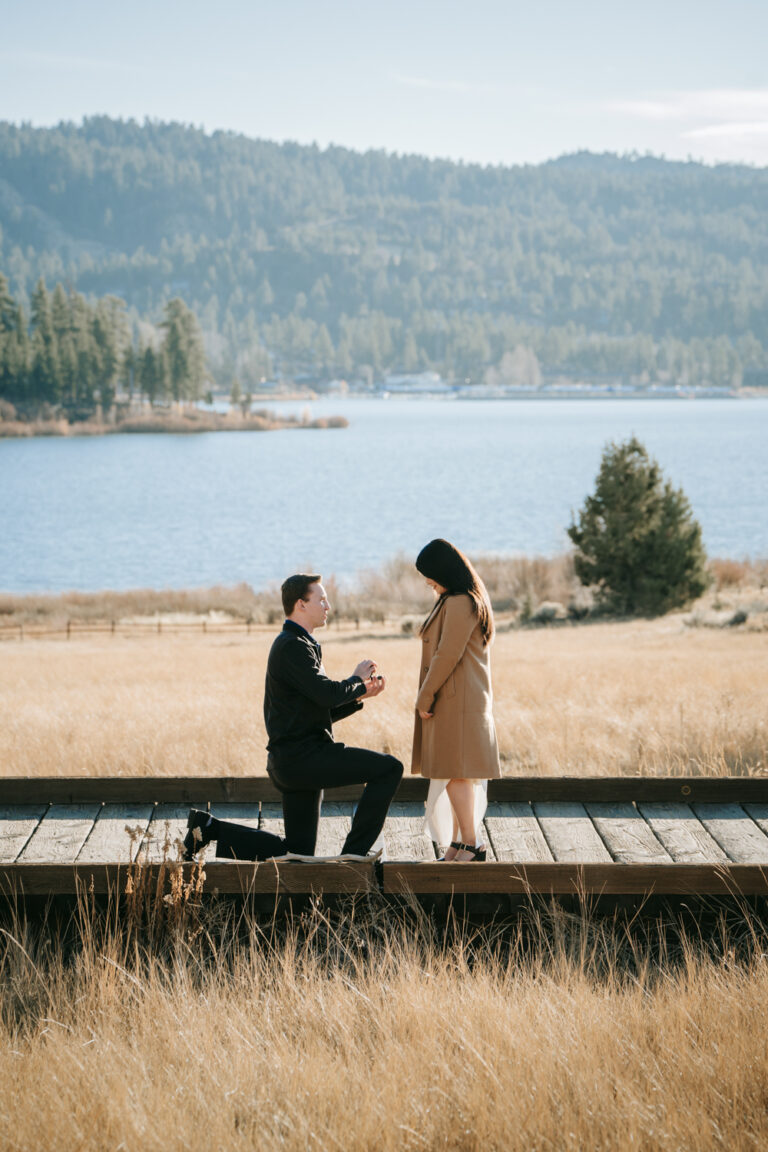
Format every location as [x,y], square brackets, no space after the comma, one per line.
[300,701]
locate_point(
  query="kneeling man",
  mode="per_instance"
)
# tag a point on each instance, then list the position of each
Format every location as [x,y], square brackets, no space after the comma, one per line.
[301,704]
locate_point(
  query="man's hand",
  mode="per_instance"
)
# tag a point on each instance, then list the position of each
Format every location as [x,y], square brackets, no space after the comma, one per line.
[365,669]
[374,687]
[426,715]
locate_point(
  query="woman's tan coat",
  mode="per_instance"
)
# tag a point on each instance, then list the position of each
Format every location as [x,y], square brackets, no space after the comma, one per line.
[459,741]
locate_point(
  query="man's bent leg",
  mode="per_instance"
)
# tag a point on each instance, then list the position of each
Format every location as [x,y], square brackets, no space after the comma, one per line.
[302,798]
[239,842]
[301,816]
[382,775]
[334,766]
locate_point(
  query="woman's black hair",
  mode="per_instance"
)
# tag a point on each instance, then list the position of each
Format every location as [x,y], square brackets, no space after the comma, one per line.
[450,568]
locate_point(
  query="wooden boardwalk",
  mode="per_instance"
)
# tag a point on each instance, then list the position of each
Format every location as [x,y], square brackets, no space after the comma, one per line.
[550,835]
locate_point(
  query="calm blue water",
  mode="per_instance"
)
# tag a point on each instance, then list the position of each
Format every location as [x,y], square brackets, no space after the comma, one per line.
[180,511]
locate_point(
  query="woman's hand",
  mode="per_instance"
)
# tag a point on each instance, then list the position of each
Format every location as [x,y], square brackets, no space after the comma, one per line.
[426,715]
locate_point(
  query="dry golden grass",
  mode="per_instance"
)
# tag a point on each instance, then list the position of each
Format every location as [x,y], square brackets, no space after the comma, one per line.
[52,611]
[606,698]
[372,1030]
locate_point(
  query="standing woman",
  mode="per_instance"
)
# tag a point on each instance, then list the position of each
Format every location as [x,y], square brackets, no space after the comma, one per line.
[454,739]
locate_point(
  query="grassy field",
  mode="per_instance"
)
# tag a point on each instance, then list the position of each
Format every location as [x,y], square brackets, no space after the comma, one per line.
[643,697]
[369,1029]
[174,1026]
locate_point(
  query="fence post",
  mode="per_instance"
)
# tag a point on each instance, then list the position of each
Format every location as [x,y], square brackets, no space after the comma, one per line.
[159,627]
[205,626]
[21,631]
[69,629]
[113,627]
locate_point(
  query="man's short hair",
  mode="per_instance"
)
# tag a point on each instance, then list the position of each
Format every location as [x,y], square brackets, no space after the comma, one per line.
[297,588]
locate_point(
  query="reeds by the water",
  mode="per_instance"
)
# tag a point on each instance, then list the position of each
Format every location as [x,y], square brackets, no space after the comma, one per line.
[392,593]
[176,420]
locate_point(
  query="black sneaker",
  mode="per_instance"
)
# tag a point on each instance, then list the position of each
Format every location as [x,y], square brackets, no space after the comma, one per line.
[198,832]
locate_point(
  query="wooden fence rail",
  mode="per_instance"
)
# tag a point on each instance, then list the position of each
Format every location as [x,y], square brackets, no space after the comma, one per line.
[160,627]
[74,628]
[413,789]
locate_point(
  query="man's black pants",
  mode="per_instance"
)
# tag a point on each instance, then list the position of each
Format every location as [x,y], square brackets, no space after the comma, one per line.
[301,781]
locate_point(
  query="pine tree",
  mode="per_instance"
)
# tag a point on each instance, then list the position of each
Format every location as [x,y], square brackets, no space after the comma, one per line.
[14,372]
[86,355]
[636,538]
[7,307]
[151,374]
[184,352]
[45,382]
[9,381]
[61,319]
[110,335]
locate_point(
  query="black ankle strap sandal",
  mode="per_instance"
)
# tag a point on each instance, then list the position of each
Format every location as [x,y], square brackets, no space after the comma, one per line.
[478,854]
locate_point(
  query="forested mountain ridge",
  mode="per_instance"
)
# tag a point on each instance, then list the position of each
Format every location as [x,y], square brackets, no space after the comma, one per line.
[331,261]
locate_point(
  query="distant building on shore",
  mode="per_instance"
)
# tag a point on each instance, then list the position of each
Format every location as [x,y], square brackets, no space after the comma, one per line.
[420,383]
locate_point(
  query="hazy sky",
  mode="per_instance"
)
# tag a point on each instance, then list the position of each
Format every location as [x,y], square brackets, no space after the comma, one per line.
[494,81]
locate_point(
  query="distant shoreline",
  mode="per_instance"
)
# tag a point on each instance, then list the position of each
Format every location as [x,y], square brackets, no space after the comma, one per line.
[191,420]
[453,396]
[186,422]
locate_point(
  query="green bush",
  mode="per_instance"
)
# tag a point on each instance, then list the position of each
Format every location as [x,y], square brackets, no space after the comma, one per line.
[636,538]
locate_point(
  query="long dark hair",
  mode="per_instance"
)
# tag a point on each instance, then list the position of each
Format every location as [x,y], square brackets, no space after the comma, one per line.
[450,568]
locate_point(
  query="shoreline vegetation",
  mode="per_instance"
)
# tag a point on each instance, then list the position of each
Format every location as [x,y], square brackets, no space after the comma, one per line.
[524,590]
[181,420]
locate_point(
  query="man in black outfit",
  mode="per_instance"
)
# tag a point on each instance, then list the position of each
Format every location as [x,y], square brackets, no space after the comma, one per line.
[301,704]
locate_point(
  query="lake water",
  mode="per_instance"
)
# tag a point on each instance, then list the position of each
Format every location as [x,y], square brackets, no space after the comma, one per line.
[180,511]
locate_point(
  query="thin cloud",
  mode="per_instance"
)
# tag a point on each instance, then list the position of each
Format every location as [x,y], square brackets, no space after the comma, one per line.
[718,104]
[721,131]
[456,86]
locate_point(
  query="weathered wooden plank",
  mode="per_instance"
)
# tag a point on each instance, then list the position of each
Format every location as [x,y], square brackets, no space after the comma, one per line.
[419,878]
[515,834]
[109,840]
[280,877]
[271,819]
[490,851]
[17,823]
[759,813]
[682,834]
[735,831]
[404,835]
[138,789]
[60,834]
[240,813]
[626,835]
[335,823]
[253,789]
[167,827]
[224,876]
[569,832]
